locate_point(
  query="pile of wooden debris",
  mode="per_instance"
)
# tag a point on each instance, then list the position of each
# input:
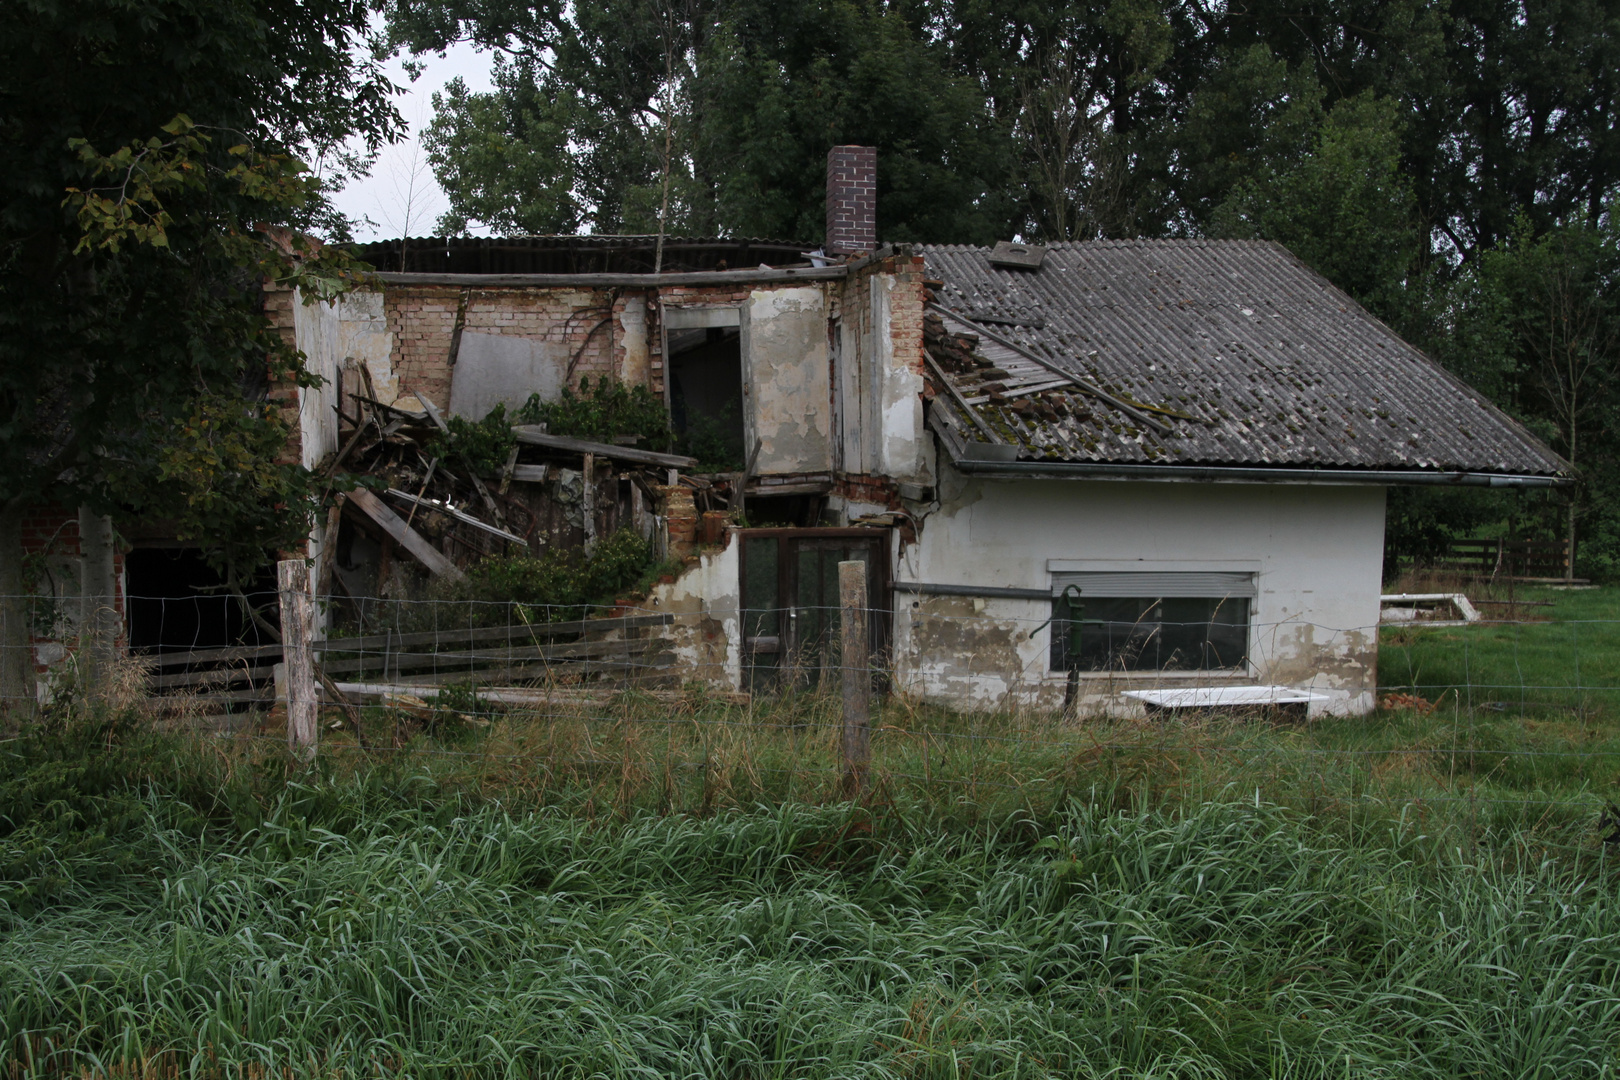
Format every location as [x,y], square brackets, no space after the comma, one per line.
[422,497]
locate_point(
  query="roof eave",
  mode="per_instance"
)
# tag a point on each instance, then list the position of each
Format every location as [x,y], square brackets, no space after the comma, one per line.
[1229,474]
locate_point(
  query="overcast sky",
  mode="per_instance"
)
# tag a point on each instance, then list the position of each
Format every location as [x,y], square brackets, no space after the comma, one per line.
[386,201]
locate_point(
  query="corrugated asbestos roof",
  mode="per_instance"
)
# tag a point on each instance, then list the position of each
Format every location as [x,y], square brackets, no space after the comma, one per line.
[594,254]
[1273,365]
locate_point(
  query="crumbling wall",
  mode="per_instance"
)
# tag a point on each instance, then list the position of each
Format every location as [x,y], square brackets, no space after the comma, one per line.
[880,379]
[787,401]
[1316,551]
[706,636]
[548,338]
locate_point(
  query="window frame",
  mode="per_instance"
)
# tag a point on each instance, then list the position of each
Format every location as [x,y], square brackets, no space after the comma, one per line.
[1159,588]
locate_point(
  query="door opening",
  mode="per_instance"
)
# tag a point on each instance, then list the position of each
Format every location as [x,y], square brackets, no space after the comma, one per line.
[706,395]
[791,606]
[177,602]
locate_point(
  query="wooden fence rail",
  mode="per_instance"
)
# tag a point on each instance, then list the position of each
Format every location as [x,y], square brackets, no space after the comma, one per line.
[520,651]
[1544,560]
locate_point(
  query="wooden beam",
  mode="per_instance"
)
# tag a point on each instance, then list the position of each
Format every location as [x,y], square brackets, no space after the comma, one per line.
[956,395]
[617,281]
[464,518]
[535,437]
[407,538]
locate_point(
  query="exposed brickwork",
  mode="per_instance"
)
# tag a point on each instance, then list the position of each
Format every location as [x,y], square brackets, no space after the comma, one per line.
[280,307]
[906,310]
[877,490]
[422,319]
[851,200]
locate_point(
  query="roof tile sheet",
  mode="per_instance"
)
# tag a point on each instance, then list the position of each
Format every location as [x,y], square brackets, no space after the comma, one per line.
[1269,362]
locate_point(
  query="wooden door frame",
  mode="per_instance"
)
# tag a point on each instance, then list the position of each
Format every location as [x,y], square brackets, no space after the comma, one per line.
[879,580]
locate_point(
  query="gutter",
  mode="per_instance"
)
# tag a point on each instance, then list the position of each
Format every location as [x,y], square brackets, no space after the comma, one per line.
[1076,470]
[617,281]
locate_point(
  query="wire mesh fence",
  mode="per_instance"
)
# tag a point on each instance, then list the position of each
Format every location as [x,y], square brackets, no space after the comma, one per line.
[1519,715]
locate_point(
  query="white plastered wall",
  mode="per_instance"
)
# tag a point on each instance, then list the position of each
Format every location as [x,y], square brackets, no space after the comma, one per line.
[341,336]
[345,334]
[787,403]
[1317,550]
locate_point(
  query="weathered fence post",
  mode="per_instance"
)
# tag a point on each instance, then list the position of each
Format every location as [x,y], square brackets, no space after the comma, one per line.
[297,628]
[857,737]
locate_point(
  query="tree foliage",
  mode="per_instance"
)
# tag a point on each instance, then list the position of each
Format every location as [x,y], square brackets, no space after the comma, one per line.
[1449,163]
[149,151]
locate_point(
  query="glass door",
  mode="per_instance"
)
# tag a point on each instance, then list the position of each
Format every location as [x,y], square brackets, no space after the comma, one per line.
[791,608]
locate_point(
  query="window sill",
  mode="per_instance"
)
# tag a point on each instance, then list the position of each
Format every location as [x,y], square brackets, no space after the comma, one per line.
[1157,676]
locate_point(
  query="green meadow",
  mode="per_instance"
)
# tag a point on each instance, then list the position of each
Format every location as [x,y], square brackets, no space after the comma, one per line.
[636,888]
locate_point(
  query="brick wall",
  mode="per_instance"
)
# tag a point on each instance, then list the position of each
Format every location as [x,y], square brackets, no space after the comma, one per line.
[851,200]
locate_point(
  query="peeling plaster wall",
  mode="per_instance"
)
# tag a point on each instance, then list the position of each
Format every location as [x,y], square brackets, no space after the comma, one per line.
[706,636]
[635,356]
[338,337]
[787,404]
[1317,550]
[332,337]
[880,377]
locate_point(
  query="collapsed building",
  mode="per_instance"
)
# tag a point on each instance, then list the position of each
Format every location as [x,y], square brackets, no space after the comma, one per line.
[1088,474]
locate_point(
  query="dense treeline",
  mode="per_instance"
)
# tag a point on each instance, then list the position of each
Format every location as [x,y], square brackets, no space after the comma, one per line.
[1450,164]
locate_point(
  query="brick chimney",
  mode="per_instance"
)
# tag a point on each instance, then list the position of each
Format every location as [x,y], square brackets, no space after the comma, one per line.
[851,200]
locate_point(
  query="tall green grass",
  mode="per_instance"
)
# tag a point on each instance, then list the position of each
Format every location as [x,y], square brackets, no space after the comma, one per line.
[632,887]
[224,917]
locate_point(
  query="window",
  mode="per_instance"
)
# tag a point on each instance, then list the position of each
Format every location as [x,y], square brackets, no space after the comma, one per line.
[1139,621]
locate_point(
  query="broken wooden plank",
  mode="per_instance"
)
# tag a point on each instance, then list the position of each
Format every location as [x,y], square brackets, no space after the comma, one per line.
[1084,385]
[215,677]
[956,395]
[1016,391]
[531,474]
[407,538]
[460,516]
[229,654]
[433,413]
[535,437]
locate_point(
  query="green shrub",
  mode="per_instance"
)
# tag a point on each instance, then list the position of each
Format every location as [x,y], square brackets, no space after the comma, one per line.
[560,584]
[483,444]
[601,412]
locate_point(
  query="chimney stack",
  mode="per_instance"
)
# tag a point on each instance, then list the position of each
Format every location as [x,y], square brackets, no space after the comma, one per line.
[851,200]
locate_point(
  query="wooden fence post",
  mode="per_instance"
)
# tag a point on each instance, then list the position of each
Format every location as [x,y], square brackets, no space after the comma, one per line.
[857,737]
[297,628]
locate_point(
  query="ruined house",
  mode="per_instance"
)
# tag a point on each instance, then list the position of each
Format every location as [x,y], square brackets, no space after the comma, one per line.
[1089,473]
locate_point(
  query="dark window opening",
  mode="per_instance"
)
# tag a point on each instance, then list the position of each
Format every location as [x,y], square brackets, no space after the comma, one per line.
[706,395]
[785,511]
[1125,633]
[177,602]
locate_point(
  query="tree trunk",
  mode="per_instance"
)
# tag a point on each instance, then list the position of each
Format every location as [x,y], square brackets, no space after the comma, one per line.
[1569,542]
[1569,530]
[17,689]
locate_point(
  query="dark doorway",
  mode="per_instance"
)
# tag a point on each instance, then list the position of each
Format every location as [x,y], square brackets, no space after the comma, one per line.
[177,602]
[706,395]
[791,604]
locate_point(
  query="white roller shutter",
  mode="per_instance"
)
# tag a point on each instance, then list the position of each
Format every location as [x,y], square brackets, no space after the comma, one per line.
[1158,584]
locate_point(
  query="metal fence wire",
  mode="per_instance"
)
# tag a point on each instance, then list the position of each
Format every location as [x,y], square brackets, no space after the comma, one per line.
[1521,712]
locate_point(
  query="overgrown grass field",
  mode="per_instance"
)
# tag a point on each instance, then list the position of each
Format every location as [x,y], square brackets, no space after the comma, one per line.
[640,888]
